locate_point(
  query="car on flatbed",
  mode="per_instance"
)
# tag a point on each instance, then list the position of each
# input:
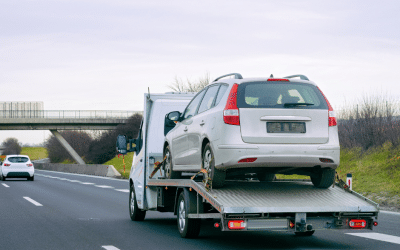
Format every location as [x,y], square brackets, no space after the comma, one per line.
[17,166]
[265,126]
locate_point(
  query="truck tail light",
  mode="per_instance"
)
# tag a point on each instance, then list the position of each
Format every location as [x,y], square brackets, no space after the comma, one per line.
[247,160]
[236,224]
[331,114]
[231,111]
[357,223]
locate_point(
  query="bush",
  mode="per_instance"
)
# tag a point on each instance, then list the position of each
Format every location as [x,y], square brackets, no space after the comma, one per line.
[369,124]
[11,147]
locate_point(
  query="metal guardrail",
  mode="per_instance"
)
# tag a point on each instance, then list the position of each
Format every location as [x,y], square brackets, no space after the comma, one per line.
[67,114]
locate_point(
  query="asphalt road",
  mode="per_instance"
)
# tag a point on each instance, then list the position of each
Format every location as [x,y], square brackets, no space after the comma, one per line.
[67,211]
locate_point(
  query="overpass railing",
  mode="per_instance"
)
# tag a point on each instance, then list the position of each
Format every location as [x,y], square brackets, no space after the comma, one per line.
[67,114]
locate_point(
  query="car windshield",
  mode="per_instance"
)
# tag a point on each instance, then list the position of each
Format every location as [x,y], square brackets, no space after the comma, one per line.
[18,159]
[278,95]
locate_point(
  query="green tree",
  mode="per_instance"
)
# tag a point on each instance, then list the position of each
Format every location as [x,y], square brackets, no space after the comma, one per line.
[11,146]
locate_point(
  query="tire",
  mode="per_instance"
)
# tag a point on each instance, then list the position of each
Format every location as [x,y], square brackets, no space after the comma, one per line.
[308,233]
[168,168]
[188,228]
[135,212]
[31,178]
[324,178]
[217,176]
[4,178]
[266,176]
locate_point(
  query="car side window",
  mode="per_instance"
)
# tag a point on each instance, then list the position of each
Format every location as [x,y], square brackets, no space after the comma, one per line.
[192,107]
[221,93]
[208,99]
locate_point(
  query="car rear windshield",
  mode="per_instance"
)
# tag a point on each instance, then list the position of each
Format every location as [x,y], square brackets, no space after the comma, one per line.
[18,159]
[280,95]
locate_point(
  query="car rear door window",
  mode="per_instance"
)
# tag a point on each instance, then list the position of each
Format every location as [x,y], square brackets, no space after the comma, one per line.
[279,95]
[208,100]
[221,93]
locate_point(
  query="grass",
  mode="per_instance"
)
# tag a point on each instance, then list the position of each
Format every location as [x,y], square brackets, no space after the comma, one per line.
[119,165]
[34,153]
[376,172]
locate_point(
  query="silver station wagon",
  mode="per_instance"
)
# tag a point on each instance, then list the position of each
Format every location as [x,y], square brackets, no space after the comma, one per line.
[265,126]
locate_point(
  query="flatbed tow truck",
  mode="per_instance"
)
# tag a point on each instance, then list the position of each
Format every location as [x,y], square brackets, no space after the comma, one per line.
[241,205]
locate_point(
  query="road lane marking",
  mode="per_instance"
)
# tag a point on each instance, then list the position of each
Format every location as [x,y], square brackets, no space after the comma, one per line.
[7,186]
[87,183]
[103,186]
[33,201]
[110,248]
[123,190]
[74,181]
[378,236]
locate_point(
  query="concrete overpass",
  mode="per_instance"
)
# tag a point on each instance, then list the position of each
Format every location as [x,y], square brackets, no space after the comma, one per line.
[55,120]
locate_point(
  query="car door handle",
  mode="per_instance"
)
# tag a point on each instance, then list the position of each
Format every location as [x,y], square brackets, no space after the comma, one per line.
[202,123]
[186,129]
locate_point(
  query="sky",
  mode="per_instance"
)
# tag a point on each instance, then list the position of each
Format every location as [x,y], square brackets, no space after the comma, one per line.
[103,55]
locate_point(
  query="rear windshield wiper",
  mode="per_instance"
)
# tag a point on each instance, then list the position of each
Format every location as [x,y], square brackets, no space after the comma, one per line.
[290,104]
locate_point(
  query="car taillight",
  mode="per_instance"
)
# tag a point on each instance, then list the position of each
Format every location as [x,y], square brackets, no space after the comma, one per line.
[357,223]
[7,165]
[231,111]
[236,224]
[331,114]
[30,165]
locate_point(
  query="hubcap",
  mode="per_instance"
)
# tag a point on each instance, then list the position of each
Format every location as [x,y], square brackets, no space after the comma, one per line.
[182,215]
[167,166]
[207,163]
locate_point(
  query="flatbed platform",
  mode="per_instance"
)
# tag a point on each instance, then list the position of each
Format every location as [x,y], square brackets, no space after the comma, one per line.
[276,197]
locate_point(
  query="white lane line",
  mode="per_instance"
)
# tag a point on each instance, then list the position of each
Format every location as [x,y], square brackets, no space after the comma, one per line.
[7,186]
[123,190]
[110,248]
[103,186]
[87,183]
[74,181]
[378,236]
[33,201]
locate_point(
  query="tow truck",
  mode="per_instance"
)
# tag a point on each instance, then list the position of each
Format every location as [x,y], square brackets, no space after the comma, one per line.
[242,204]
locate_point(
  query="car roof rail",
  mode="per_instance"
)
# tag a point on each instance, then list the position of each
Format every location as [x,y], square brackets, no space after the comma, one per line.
[237,76]
[302,77]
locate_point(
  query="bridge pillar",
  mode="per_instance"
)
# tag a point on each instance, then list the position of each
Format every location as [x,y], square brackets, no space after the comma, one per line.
[68,147]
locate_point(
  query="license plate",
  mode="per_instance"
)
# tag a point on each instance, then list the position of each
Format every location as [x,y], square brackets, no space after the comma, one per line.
[286,127]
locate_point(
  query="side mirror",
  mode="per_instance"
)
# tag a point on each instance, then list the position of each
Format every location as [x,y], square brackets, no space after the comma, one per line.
[170,121]
[121,144]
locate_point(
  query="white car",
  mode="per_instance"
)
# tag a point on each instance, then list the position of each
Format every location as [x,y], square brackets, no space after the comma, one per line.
[266,126]
[17,166]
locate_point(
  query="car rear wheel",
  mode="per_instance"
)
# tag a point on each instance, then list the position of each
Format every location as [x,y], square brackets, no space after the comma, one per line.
[4,178]
[169,172]
[324,178]
[216,176]
[262,176]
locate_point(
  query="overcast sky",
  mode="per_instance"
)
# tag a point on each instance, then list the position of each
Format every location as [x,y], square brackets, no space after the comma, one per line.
[103,55]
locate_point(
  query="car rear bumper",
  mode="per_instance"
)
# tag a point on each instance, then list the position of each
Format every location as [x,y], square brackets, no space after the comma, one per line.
[301,155]
[18,173]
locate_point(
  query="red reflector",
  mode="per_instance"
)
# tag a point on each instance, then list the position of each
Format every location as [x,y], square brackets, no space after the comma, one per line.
[357,223]
[248,160]
[291,224]
[375,223]
[277,80]
[236,224]
[231,111]
[326,160]
[216,225]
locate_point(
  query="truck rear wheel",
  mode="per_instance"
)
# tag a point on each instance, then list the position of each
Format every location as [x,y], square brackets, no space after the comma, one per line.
[135,212]
[188,228]
[169,173]
[308,233]
[324,178]
[217,176]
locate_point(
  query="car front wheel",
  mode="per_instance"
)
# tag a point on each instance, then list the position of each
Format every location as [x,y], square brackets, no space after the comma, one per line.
[135,212]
